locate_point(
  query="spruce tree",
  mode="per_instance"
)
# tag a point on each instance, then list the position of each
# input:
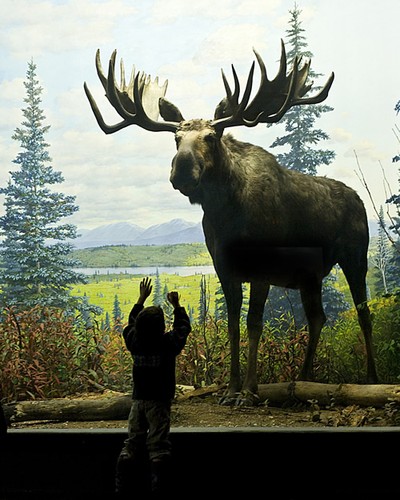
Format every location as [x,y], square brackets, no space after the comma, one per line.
[221,311]
[37,266]
[299,121]
[117,315]
[301,139]
[394,261]
[204,301]
[107,324]
[381,259]
[158,298]
[395,198]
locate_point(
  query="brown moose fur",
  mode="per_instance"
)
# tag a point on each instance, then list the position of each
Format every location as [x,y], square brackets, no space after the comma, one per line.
[269,225]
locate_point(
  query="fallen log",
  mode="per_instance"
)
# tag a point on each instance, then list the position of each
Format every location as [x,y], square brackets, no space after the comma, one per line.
[113,406]
[201,392]
[116,406]
[376,395]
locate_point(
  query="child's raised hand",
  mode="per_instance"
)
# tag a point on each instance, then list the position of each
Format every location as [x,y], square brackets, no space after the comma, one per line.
[145,290]
[173,298]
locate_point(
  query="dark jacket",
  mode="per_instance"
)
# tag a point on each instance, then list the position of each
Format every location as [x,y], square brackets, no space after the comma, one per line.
[154,354]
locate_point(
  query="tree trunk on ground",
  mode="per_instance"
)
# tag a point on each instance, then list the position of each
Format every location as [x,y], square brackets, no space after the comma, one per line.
[116,406]
[110,407]
[340,394]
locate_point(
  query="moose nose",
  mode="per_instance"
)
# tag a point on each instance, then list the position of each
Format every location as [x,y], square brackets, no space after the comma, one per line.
[180,184]
[182,170]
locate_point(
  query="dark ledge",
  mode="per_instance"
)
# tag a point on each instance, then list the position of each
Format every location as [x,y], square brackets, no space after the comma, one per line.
[209,462]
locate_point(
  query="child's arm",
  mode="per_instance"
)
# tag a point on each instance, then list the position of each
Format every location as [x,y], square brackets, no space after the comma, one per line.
[181,327]
[145,289]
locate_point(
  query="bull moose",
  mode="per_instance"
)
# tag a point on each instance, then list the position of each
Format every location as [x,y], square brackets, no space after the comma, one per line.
[263,224]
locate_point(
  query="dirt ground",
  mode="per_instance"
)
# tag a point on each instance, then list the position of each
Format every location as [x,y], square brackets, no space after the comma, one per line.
[205,411]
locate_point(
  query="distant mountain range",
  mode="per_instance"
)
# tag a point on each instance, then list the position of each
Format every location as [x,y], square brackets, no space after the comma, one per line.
[169,233]
[124,233]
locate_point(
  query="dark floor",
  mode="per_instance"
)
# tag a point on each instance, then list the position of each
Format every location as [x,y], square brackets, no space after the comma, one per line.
[284,464]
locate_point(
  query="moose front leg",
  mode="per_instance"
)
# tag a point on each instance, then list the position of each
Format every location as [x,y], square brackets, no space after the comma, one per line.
[312,303]
[258,296]
[233,297]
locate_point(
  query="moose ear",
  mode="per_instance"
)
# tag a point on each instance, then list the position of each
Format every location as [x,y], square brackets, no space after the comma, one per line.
[169,112]
[223,109]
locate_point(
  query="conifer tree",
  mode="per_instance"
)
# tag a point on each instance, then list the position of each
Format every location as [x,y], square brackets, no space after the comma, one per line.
[117,315]
[107,324]
[394,261]
[158,298]
[204,301]
[37,267]
[395,198]
[221,311]
[381,259]
[299,121]
[301,139]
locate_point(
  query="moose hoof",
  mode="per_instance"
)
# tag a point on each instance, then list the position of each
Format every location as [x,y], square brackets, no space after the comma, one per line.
[229,399]
[248,398]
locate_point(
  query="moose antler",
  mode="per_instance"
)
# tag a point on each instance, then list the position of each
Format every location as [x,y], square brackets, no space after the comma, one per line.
[273,98]
[137,103]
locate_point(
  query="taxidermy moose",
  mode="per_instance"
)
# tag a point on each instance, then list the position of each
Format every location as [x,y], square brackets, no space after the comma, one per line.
[263,223]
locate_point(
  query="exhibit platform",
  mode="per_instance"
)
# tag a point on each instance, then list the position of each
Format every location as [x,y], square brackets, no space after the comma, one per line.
[209,463]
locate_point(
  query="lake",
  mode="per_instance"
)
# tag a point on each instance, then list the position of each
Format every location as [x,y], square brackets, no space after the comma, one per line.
[148,271]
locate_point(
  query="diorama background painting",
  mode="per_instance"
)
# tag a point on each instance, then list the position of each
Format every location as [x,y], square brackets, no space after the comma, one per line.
[124,177]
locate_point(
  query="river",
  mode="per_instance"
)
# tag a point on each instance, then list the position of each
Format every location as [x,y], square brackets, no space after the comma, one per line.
[148,271]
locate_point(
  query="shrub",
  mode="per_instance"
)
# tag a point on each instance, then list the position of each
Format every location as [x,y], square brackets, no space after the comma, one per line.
[341,355]
[37,354]
[45,354]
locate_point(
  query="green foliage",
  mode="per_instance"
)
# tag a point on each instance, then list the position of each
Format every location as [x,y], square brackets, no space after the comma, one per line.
[184,254]
[341,357]
[44,353]
[205,359]
[281,351]
[386,314]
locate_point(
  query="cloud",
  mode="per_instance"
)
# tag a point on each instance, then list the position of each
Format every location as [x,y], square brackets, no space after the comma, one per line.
[57,27]
[188,43]
[232,43]
[169,11]
[340,135]
[11,90]
[365,149]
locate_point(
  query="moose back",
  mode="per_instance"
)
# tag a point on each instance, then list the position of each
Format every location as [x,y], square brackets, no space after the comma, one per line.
[263,224]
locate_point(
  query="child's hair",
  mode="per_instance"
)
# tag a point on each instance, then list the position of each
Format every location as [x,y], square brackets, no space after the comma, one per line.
[150,321]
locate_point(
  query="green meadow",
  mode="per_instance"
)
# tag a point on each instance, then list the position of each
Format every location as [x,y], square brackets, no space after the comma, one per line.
[102,289]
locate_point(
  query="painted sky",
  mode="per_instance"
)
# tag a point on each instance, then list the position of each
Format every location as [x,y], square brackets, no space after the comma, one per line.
[124,176]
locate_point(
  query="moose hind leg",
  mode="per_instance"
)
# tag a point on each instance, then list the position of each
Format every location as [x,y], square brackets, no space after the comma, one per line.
[312,303]
[356,280]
